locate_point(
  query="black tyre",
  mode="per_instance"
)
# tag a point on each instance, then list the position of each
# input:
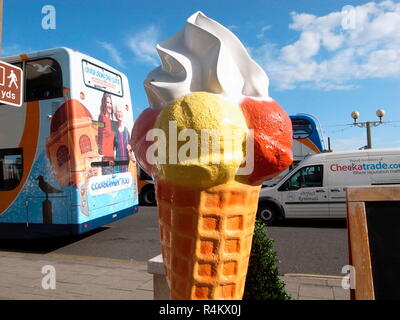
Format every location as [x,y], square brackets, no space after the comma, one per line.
[148,196]
[267,213]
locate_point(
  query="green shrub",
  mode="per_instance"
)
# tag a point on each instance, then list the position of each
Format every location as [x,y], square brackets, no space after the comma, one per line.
[262,281]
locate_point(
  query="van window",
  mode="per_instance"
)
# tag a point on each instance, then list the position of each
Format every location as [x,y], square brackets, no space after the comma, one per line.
[10,168]
[294,164]
[43,80]
[306,177]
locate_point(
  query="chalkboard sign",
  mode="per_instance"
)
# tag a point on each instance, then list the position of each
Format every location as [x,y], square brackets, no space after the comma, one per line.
[383,224]
[373,220]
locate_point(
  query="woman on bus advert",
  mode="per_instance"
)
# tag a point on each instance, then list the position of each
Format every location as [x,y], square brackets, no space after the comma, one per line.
[122,139]
[105,133]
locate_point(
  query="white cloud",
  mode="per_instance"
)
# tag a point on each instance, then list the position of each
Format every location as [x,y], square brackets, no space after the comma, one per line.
[306,47]
[261,34]
[334,50]
[143,45]
[114,53]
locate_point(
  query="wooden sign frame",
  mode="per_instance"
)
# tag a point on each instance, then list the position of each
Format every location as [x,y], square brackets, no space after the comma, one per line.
[358,239]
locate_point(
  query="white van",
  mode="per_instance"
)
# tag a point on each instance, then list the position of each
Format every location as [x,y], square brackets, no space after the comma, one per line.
[316,188]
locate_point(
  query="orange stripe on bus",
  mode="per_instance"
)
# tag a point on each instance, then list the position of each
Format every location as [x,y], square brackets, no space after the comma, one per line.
[28,143]
[310,144]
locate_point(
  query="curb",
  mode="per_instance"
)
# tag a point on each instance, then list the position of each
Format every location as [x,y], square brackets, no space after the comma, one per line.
[313,276]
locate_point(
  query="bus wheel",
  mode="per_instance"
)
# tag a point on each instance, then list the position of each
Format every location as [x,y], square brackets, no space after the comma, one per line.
[267,213]
[148,196]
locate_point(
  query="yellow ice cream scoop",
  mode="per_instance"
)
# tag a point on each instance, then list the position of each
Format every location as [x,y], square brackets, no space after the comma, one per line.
[205,137]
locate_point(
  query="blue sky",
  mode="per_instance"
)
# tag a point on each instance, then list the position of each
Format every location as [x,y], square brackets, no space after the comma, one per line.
[321,58]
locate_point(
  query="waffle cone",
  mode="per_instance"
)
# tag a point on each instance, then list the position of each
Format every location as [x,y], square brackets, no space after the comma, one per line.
[206,238]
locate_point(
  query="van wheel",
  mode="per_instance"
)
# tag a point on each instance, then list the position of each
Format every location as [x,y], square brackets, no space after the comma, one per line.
[148,196]
[267,213]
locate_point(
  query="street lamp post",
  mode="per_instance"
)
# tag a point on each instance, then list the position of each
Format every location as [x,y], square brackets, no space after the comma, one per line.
[368,124]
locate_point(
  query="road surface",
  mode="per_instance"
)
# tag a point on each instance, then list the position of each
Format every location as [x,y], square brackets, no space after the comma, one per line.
[310,247]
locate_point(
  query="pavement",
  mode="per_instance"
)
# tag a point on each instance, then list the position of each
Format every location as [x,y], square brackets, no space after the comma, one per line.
[315,287]
[24,276]
[77,278]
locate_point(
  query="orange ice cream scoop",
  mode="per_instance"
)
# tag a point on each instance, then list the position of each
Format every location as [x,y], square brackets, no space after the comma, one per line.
[272,138]
[143,124]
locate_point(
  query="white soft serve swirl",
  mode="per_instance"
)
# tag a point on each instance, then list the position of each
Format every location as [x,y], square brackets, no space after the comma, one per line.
[204,56]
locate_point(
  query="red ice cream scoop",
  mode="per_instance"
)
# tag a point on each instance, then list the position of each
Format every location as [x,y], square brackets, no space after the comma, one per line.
[272,138]
[143,124]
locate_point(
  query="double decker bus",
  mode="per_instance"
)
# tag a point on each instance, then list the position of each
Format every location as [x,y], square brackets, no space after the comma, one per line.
[66,165]
[307,137]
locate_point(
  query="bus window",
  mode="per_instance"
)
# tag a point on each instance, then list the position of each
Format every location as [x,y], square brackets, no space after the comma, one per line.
[302,128]
[43,80]
[10,168]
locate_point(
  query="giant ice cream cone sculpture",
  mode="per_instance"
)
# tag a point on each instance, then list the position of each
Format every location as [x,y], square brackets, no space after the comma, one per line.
[210,138]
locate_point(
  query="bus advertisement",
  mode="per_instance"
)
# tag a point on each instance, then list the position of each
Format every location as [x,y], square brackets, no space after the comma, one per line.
[66,164]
